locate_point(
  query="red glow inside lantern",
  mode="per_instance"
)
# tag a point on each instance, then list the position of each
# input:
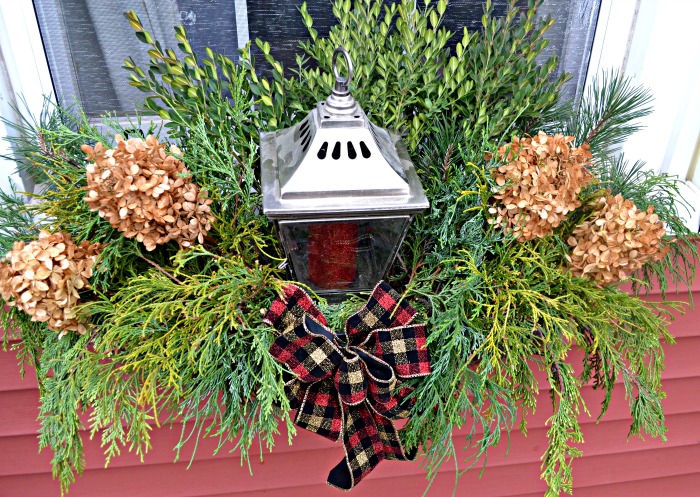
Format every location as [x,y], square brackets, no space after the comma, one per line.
[333,254]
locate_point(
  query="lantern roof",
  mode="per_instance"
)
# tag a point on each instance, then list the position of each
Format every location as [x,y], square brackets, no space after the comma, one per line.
[336,161]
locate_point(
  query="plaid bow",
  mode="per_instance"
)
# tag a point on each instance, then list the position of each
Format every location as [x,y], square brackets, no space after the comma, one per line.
[347,384]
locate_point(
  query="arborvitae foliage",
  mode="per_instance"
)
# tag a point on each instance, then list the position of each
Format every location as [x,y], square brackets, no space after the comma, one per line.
[184,338]
[176,336]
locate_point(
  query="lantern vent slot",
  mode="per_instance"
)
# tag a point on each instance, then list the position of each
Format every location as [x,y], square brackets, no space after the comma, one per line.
[365,151]
[351,150]
[336,151]
[305,143]
[322,151]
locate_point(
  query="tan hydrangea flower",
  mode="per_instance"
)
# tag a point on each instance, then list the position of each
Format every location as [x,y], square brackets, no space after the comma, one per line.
[616,241]
[539,184]
[44,277]
[146,193]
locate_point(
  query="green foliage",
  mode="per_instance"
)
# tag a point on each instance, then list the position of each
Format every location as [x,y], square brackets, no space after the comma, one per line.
[458,183]
[15,222]
[230,180]
[492,81]
[213,89]
[609,113]
[177,336]
[61,405]
[28,136]
[209,106]
[29,338]
[455,393]
[498,309]
[202,363]
[187,344]
[52,152]
[517,311]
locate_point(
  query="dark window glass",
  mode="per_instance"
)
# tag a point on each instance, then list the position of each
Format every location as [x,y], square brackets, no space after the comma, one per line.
[86,41]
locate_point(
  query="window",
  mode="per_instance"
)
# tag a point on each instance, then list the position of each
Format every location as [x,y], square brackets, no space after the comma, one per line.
[24,79]
[87,40]
[655,47]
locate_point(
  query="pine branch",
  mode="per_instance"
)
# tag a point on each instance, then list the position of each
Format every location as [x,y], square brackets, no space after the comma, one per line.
[609,113]
[16,223]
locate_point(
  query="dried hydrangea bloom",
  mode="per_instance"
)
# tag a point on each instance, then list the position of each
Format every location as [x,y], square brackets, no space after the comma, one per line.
[44,277]
[539,184]
[146,193]
[616,241]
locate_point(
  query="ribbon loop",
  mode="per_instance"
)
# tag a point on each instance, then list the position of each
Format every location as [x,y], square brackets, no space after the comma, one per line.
[384,309]
[311,357]
[347,384]
[404,348]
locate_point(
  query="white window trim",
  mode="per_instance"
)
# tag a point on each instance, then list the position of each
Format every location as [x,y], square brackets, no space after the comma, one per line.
[24,75]
[625,30]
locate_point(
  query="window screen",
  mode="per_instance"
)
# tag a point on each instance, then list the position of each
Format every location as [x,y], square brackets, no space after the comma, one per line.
[86,41]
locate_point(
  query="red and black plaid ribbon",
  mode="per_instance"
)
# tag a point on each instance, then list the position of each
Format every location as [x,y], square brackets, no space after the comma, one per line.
[348,384]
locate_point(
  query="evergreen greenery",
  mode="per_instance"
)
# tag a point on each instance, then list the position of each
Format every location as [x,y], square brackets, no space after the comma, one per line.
[177,336]
[491,84]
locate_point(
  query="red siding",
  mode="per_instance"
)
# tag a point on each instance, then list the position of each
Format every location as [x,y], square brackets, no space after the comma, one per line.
[612,465]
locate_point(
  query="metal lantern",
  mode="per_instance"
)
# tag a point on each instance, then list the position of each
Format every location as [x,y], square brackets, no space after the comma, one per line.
[341,192]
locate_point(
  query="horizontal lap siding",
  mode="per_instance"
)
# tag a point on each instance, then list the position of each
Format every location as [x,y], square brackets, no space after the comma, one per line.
[611,466]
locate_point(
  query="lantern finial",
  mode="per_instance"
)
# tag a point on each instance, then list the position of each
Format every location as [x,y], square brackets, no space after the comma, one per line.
[342,84]
[340,102]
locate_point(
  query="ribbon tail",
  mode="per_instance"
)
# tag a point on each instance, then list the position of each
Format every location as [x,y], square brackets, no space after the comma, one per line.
[368,439]
[362,445]
[389,435]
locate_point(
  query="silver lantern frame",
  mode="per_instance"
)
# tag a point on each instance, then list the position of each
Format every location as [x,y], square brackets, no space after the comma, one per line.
[309,173]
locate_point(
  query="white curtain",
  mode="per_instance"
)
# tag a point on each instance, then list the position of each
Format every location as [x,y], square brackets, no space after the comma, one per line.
[117,43]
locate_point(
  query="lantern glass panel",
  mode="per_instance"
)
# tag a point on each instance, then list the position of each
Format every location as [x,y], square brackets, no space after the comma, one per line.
[344,255]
